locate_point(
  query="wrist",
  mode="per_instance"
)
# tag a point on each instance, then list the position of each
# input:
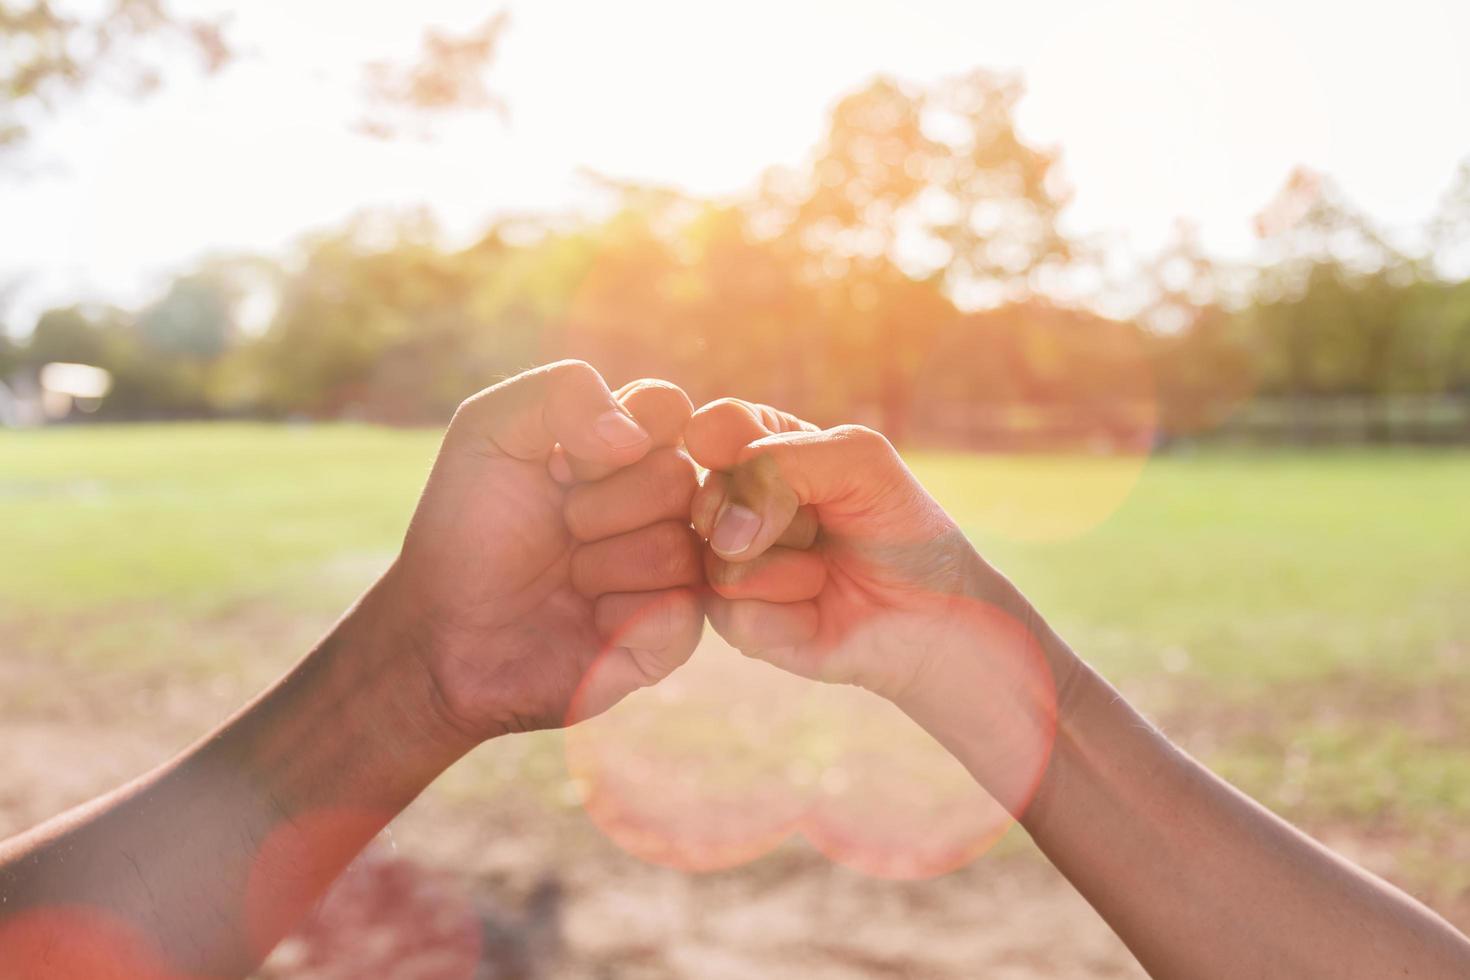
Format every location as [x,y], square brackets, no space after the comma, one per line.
[353,725]
[310,771]
[1096,733]
[384,654]
[995,694]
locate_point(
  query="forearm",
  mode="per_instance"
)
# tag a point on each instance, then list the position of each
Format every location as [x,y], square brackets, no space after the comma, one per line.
[203,864]
[1199,880]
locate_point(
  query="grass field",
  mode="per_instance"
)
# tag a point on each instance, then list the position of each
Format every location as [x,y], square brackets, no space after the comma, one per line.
[1300,620]
[1253,568]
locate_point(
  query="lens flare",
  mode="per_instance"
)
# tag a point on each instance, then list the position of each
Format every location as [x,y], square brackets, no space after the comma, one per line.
[725,759]
[1065,406]
[386,916]
[694,773]
[296,863]
[76,942]
[893,803]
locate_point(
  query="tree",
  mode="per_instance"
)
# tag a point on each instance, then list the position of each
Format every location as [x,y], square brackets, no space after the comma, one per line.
[1449,230]
[10,357]
[1203,366]
[405,331]
[1449,249]
[935,181]
[934,187]
[448,76]
[71,335]
[52,54]
[192,320]
[1332,304]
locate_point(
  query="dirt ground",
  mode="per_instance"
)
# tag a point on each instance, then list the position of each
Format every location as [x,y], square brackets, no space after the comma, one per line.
[514,886]
[517,888]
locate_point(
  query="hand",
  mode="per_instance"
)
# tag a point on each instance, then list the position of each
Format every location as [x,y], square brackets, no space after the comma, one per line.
[510,585]
[890,596]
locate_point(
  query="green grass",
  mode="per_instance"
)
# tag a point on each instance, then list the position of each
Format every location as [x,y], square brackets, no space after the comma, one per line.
[1255,583]
[1228,566]
[1253,567]
[196,516]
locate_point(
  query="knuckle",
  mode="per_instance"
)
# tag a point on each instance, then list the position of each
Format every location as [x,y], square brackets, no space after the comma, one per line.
[862,438]
[657,389]
[565,378]
[769,417]
[501,399]
[715,417]
[722,408]
[868,445]
[472,406]
[571,367]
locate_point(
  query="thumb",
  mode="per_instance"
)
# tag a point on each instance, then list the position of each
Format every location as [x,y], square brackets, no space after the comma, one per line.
[660,407]
[566,402]
[839,472]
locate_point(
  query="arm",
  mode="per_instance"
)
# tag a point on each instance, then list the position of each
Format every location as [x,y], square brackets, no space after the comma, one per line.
[514,604]
[206,862]
[1201,881]
[1197,879]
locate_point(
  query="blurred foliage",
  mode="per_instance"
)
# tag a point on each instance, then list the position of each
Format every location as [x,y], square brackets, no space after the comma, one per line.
[10,357]
[898,278]
[448,76]
[52,50]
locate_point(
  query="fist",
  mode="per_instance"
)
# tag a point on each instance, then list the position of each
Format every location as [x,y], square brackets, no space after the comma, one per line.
[827,558]
[516,578]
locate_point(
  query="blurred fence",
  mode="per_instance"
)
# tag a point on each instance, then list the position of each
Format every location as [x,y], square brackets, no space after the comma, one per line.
[1112,426]
[1330,421]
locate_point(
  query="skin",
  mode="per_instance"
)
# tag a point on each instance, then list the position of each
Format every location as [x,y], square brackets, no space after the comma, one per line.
[1197,879]
[517,602]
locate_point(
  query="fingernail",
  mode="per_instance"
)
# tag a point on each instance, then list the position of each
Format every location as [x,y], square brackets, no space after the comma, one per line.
[617,430]
[734,530]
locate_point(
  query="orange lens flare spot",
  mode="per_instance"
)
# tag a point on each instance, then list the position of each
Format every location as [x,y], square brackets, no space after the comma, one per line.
[725,759]
[74,942]
[388,917]
[1039,497]
[296,863]
[1064,405]
[691,773]
[893,803]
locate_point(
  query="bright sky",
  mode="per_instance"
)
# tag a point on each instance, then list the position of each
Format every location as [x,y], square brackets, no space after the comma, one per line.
[1163,109]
